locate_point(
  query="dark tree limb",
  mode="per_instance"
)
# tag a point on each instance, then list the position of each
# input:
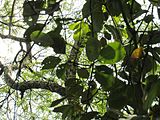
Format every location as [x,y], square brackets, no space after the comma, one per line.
[36,84]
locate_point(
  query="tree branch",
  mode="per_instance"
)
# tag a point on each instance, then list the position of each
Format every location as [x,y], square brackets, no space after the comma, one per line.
[37,84]
[19,39]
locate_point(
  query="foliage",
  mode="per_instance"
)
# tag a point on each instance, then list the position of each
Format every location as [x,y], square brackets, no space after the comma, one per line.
[103,62]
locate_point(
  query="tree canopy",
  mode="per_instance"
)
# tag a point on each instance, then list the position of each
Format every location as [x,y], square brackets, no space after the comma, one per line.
[81,60]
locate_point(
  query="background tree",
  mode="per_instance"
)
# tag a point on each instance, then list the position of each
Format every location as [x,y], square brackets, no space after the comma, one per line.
[100,61]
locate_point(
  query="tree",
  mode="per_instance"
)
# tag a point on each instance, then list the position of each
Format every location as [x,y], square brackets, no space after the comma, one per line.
[100,62]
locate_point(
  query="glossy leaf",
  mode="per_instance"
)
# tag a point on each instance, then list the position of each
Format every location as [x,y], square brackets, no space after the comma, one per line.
[92,49]
[50,62]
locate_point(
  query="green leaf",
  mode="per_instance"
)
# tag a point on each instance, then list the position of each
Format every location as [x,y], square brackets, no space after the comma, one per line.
[108,52]
[74,26]
[81,31]
[83,73]
[59,44]
[60,72]
[148,18]
[107,35]
[74,87]
[96,11]
[92,49]
[66,110]
[154,91]
[114,7]
[105,80]
[89,115]
[151,38]
[117,100]
[50,62]
[151,66]
[75,90]
[62,108]
[115,32]
[56,102]
[103,42]
[104,69]
[31,10]
[31,29]
[112,53]
[98,23]
[41,39]
[87,97]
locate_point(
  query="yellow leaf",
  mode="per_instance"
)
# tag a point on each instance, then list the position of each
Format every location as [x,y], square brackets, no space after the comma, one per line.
[137,53]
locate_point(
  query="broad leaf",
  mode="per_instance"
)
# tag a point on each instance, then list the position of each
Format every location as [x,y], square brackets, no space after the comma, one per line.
[56,102]
[114,7]
[94,9]
[148,18]
[31,29]
[115,32]
[87,97]
[105,80]
[154,91]
[41,39]
[83,73]
[92,49]
[59,44]
[50,62]
[112,53]
[108,53]
[89,115]
[60,72]
[66,110]
[104,69]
